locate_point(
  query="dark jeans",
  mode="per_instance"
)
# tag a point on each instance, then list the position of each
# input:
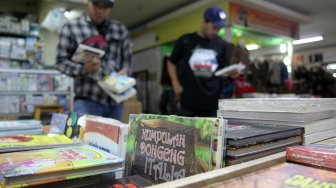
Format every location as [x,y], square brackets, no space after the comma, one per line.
[86,106]
[197,113]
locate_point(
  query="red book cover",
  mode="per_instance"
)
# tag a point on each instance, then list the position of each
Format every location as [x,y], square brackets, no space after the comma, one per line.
[283,175]
[314,154]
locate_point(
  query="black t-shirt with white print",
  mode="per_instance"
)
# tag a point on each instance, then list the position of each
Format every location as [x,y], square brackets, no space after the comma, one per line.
[200,58]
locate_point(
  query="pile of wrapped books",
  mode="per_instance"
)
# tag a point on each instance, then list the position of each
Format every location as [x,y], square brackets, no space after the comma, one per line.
[118,86]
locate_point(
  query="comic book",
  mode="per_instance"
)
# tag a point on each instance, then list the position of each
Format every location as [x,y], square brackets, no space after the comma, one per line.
[165,148]
[50,165]
[57,123]
[29,142]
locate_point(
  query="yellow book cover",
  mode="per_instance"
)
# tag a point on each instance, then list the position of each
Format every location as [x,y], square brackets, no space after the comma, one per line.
[24,142]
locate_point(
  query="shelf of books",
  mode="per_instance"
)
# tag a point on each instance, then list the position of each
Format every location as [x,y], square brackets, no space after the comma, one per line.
[22,89]
[83,150]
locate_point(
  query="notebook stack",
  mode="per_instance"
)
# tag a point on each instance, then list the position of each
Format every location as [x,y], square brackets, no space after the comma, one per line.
[317,116]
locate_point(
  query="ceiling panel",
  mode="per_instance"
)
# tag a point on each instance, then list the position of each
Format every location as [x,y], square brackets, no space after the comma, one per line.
[134,13]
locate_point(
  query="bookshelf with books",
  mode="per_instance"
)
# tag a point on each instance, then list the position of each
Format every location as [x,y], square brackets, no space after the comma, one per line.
[22,89]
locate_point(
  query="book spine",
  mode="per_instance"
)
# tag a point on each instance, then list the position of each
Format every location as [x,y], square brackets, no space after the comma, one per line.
[221,123]
[317,158]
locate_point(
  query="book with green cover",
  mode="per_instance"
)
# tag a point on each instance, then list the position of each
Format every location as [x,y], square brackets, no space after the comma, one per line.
[29,142]
[165,148]
[50,165]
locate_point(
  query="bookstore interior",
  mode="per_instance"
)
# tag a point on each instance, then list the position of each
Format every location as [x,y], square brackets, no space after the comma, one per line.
[275,123]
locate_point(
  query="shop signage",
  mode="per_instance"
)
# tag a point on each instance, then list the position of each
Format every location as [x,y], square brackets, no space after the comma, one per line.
[262,21]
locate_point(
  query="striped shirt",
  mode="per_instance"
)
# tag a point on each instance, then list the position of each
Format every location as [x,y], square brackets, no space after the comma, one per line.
[117,54]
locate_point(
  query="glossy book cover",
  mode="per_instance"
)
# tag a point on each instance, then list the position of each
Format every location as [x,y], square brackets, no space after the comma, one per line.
[48,161]
[14,143]
[286,175]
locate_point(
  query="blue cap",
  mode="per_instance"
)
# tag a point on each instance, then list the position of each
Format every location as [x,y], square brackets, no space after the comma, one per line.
[108,3]
[215,15]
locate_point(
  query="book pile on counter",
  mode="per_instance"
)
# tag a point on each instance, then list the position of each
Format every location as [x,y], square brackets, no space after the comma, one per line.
[27,160]
[316,115]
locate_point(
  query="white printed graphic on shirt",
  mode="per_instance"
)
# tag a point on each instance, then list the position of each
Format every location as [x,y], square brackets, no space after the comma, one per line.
[203,62]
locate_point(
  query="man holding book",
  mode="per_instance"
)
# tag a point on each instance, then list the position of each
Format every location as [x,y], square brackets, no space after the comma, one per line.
[90,48]
[201,54]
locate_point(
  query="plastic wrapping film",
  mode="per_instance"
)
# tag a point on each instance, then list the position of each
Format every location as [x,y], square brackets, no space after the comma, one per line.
[276,117]
[293,105]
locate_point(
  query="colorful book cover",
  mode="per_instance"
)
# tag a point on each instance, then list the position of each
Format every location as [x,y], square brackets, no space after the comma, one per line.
[164,148]
[107,134]
[20,168]
[58,123]
[283,175]
[314,154]
[26,142]
[135,181]
[75,126]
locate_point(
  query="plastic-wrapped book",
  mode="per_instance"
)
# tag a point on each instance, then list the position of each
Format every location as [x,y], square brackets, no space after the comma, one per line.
[278,109]
[295,105]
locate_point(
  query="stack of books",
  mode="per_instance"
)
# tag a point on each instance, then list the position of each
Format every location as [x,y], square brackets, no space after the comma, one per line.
[247,142]
[92,145]
[17,127]
[316,115]
[26,168]
[119,87]
[106,134]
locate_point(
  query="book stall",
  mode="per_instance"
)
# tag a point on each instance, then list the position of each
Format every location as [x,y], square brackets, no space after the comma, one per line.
[251,143]
[172,151]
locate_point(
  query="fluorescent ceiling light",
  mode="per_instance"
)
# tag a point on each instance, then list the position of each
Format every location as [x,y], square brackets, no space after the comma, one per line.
[332,66]
[283,48]
[307,40]
[252,46]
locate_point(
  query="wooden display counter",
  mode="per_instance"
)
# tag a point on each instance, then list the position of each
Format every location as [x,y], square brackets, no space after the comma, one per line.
[220,175]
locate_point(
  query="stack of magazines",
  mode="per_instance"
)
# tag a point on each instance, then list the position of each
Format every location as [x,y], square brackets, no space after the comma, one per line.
[118,86]
[316,115]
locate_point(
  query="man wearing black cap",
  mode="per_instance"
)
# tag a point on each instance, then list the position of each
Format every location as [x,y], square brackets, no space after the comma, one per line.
[94,29]
[201,54]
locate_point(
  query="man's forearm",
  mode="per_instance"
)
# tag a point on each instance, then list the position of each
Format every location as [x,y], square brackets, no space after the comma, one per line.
[172,72]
